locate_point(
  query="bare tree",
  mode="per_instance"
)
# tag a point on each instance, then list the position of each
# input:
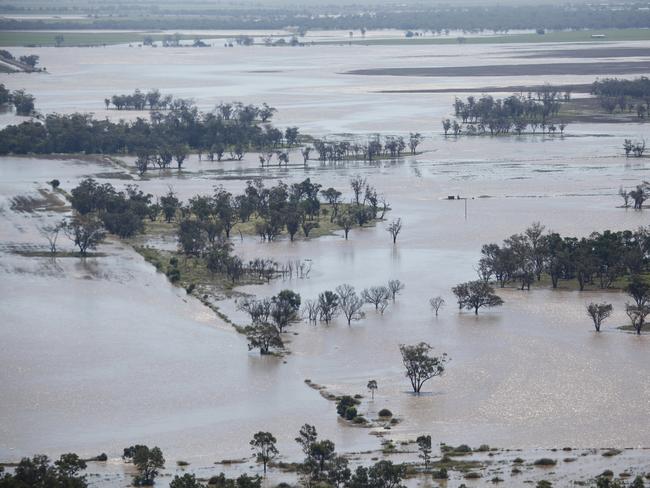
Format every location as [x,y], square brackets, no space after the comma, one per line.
[258,310]
[395,228]
[394,287]
[599,312]
[349,302]
[358,185]
[436,303]
[375,295]
[311,310]
[51,233]
[383,305]
[625,195]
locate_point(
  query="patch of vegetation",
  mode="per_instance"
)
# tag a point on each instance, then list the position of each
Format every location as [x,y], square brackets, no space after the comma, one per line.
[545,462]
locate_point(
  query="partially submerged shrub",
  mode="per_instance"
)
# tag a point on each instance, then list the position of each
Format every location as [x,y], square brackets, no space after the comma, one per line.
[384,412]
[440,474]
[545,462]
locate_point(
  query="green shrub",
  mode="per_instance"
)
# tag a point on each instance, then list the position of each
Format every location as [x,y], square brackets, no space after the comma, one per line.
[174,275]
[344,403]
[384,412]
[350,413]
[440,474]
[545,462]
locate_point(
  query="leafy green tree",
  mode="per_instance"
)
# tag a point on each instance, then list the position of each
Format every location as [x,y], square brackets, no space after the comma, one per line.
[186,481]
[474,295]
[599,312]
[192,238]
[372,386]
[85,233]
[148,462]
[420,365]
[424,446]
[328,306]
[264,446]
[263,337]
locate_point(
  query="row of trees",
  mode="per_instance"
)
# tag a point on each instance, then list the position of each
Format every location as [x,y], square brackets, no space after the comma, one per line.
[623,95]
[39,471]
[139,100]
[22,101]
[29,60]
[503,116]
[637,311]
[434,18]
[374,148]
[599,259]
[270,316]
[232,127]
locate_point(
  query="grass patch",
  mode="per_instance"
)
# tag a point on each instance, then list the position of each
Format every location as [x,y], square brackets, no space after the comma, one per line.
[554,36]
[191,270]
[462,466]
[86,39]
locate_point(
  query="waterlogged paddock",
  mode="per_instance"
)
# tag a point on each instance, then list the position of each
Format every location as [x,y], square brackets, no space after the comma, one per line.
[102,354]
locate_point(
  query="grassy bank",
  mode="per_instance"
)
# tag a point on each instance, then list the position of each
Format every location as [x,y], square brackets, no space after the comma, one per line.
[559,36]
[85,39]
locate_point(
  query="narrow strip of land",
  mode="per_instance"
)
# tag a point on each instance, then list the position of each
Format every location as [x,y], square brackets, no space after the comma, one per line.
[578,88]
[537,69]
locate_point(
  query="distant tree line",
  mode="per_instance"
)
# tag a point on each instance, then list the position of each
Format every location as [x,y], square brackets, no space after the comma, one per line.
[514,114]
[22,101]
[376,147]
[29,61]
[236,128]
[470,18]
[138,100]
[599,260]
[623,95]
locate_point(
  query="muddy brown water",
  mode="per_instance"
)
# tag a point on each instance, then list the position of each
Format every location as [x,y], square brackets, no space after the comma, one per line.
[102,354]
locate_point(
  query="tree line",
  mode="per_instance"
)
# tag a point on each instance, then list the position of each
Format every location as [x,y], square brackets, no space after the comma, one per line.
[22,101]
[623,95]
[204,223]
[470,18]
[373,148]
[270,316]
[601,259]
[155,140]
[514,114]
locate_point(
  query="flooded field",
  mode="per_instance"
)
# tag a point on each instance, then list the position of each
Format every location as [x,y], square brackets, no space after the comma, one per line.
[104,353]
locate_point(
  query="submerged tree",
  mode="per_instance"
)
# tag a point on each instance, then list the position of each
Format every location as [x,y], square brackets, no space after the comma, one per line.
[350,302]
[148,463]
[598,313]
[436,303]
[372,386]
[474,295]
[395,287]
[424,446]
[420,365]
[85,233]
[264,446]
[263,337]
[394,228]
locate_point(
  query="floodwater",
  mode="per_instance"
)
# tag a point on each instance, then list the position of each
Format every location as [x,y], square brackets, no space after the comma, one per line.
[102,354]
